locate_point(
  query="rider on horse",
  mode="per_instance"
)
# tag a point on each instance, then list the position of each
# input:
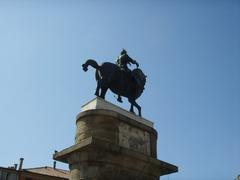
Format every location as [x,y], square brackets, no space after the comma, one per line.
[122,61]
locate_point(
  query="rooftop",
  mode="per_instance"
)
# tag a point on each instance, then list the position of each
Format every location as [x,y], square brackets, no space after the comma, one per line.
[50,171]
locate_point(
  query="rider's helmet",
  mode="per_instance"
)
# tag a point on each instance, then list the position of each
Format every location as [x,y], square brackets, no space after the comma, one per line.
[123,52]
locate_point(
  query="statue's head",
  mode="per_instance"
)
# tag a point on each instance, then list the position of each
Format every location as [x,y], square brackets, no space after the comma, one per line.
[123,52]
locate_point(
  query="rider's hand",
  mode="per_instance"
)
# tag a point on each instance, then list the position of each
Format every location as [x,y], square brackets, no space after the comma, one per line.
[137,64]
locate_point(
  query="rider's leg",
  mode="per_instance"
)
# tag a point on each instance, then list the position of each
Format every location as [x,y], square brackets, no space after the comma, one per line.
[131,108]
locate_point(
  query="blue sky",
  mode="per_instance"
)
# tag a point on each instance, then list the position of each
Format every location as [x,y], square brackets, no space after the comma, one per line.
[190,51]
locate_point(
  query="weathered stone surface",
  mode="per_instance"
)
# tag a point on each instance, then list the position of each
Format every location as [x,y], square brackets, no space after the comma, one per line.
[134,138]
[99,159]
[112,146]
[118,129]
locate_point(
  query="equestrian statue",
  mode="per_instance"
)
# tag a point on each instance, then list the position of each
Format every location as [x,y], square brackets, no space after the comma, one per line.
[119,79]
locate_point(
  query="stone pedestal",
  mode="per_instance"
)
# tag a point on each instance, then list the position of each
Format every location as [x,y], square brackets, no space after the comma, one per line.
[113,144]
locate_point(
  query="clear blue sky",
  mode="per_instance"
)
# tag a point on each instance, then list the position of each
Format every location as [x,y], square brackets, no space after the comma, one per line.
[189,49]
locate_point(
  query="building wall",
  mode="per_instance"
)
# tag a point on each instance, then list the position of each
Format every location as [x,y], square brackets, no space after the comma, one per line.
[12,174]
[8,174]
[34,176]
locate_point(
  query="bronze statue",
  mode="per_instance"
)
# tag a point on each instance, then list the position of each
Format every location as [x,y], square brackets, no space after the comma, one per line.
[122,61]
[119,79]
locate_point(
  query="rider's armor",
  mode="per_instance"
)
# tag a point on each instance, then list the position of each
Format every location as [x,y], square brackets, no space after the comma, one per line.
[124,60]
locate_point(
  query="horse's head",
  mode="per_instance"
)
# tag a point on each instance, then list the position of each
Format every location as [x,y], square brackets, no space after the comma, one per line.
[84,66]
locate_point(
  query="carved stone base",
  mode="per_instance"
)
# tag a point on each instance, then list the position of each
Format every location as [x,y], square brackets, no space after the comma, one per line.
[112,146]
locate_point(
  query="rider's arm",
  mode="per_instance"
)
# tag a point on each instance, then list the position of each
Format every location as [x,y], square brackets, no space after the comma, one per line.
[133,61]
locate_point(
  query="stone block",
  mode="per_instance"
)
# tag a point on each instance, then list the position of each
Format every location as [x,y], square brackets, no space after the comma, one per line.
[112,145]
[99,103]
[118,129]
[101,160]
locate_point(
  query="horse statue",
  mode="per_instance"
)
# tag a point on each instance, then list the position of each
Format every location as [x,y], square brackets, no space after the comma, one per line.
[110,76]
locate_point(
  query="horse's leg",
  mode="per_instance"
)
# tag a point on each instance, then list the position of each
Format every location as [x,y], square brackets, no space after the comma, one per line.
[98,88]
[103,92]
[119,99]
[104,88]
[138,107]
[100,84]
[131,108]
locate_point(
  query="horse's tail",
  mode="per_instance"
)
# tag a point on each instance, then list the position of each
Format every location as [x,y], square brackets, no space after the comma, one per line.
[90,62]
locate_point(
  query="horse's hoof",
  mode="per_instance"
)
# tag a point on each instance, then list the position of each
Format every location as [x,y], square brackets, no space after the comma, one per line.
[133,112]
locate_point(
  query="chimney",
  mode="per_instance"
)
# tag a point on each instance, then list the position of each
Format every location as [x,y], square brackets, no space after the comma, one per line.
[20,164]
[15,166]
[54,164]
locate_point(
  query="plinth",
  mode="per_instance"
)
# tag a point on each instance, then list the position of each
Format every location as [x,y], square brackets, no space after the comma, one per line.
[113,144]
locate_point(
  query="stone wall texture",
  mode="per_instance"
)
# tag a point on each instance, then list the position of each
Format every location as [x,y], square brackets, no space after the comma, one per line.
[112,146]
[121,130]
